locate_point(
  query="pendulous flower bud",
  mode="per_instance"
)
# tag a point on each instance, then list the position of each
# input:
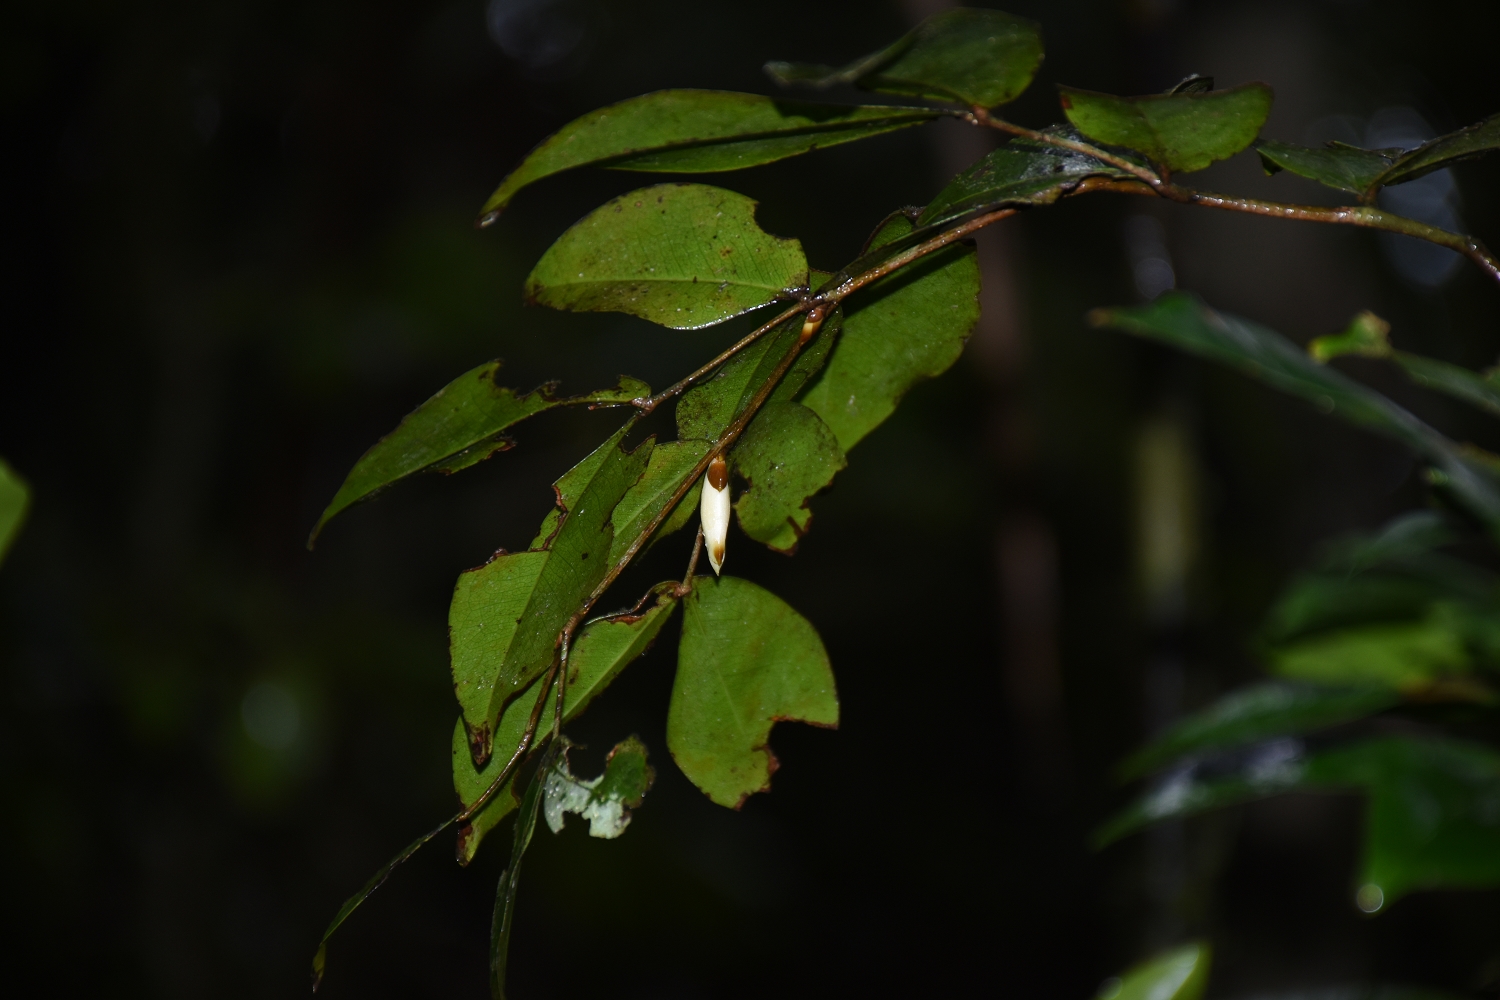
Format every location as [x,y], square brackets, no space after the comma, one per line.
[715,510]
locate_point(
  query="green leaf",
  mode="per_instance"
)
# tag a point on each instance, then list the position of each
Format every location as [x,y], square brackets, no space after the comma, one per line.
[786,454]
[604,801]
[966,55]
[1181,132]
[1368,335]
[1178,974]
[320,958]
[1404,656]
[902,329]
[682,255]
[603,649]
[746,662]
[462,425]
[15,498]
[1182,321]
[1256,713]
[1336,165]
[707,410]
[503,921]
[1475,388]
[1445,150]
[1432,818]
[507,615]
[697,131]
[1365,336]
[671,463]
[1018,173]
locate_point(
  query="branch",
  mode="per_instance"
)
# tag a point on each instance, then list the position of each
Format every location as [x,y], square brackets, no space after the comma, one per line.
[1363,216]
[980,116]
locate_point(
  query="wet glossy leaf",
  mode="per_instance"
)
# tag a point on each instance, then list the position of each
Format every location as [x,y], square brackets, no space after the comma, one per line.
[899,331]
[1257,713]
[1404,656]
[682,255]
[506,615]
[462,425]
[604,801]
[15,498]
[1181,132]
[966,55]
[1178,974]
[746,662]
[1444,151]
[671,463]
[698,131]
[1017,173]
[1432,818]
[601,651]
[1184,322]
[1336,165]
[504,919]
[787,454]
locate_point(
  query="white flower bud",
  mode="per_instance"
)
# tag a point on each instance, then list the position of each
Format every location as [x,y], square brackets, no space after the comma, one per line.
[715,510]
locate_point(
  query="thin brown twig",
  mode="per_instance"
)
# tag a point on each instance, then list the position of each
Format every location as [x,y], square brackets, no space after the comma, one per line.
[687,578]
[1364,216]
[649,403]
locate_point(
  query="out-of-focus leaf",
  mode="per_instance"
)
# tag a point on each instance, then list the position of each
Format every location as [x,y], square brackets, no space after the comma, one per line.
[1432,819]
[746,662]
[671,463]
[1184,322]
[1018,173]
[1181,132]
[1257,713]
[1368,335]
[1336,165]
[900,330]
[503,921]
[1481,389]
[682,255]
[462,425]
[1404,656]
[1178,974]
[15,498]
[604,801]
[966,55]
[600,652]
[1317,603]
[786,454]
[506,615]
[1445,150]
[697,131]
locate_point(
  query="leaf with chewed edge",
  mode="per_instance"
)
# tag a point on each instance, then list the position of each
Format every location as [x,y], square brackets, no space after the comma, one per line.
[462,425]
[899,331]
[746,662]
[605,801]
[682,255]
[787,454]
[603,649]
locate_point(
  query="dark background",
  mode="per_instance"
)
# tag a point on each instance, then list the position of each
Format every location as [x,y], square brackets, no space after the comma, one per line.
[238,248]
